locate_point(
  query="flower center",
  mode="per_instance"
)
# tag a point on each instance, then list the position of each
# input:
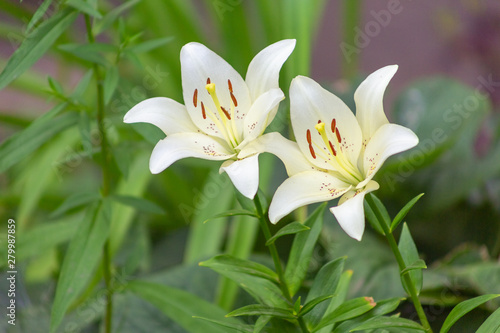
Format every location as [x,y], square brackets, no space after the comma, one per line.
[222,118]
[333,152]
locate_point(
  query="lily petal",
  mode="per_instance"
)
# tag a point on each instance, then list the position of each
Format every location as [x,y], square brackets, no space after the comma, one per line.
[369,100]
[388,140]
[244,174]
[286,150]
[198,65]
[260,114]
[350,213]
[181,145]
[310,103]
[165,113]
[303,189]
[263,71]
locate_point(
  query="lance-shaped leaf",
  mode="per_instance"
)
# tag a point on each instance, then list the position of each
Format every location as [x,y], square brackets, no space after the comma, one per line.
[227,262]
[325,283]
[83,255]
[491,324]
[182,307]
[463,308]
[302,249]
[140,204]
[23,143]
[402,213]
[259,310]
[233,212]
[347,310]
[409,253]
[289,229]
[36,44]
[389,322]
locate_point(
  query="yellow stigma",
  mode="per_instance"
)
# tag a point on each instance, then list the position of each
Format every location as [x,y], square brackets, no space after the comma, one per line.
[210,88]
[320,127]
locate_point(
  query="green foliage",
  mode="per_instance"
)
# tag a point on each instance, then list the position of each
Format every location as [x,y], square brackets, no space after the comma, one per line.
[302,249]
[81,259]
[91,219]
[36,44]
[181,306]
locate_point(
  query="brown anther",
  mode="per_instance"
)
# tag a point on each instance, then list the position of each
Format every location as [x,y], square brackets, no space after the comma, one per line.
[339,138]
[208,80]
[230,85]
[195,98]
[308,136]
[235,102]
[332,148]
[226,113]
[319,121]
[334,125]
[203,113]
[311,149]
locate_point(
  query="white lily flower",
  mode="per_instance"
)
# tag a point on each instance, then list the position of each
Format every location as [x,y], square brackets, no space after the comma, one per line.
[337,153]
[222,112]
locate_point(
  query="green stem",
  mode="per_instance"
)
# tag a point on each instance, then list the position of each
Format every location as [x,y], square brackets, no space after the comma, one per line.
[106,179]
[264,223]
[402,265]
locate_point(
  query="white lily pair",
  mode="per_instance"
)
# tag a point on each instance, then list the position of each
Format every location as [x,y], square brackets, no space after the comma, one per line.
[336,154]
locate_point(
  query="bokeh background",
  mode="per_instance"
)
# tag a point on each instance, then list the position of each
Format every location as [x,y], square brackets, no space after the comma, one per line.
[447,89]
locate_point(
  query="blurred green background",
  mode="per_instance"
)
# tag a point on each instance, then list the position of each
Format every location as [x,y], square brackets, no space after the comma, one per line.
[447,90]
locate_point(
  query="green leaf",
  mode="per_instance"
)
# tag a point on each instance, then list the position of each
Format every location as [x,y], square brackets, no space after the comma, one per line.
[379,206]
[36,44]
[309,306]
[38,15]
[83,84]
[463,308]
[372,218]
[402,213]
[82,257]
[259,309]
[289,229]
[233,212]
[302,249]
[409,253]
[418,264]
[84,7]
[73,201]
[229,263]
[222,323]
[325,283]
[150,45]
[140,204]
[206,239]
[491,324]
[182,307]
[261,323]
[261,289]
[388,322]
[338,298]
[347,310]
[25,142]
[90,52]
[46,236]
[110,17]
[110,83]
